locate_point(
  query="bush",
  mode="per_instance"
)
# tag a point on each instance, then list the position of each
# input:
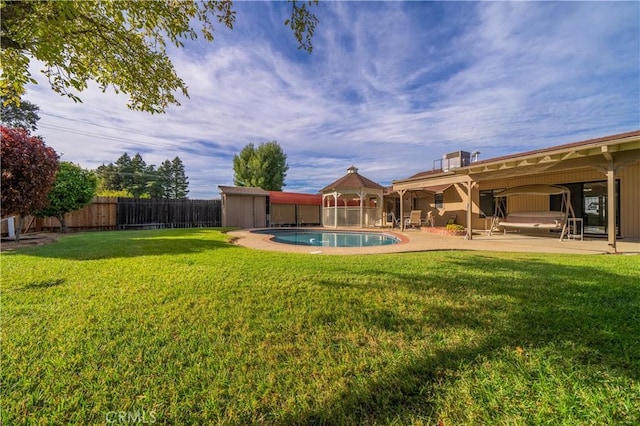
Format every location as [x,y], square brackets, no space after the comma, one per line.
[455,227]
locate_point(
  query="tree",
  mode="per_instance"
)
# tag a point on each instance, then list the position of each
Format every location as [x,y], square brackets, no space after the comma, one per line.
[140,176]
[115,43]
[263,167]
[107,179]
[72,189]
[28,170]
[134,176]
[24,115]
[164,178]
[179,183]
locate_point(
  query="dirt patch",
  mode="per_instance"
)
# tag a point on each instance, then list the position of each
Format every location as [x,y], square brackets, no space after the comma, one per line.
[28,240]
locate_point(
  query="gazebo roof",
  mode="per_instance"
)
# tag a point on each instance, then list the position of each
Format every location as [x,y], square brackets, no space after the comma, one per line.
[352,181]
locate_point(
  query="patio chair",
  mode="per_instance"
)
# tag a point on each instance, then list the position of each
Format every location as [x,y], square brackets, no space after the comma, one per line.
[391,219]
[414,220]
[430,220]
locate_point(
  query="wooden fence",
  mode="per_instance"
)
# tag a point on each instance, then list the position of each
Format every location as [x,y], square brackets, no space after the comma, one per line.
[128,213]
[161,213]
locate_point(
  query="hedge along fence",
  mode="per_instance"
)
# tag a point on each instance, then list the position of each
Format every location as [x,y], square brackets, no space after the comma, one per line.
[107,213]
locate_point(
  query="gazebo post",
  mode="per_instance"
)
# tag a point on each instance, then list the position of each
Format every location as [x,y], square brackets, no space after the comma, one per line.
[361,208]
[335,210]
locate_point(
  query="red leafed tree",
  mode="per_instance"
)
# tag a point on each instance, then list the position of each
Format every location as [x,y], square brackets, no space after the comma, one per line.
[28,171]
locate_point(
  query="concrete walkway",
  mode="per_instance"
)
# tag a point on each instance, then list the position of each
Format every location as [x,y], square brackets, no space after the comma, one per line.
[414,240]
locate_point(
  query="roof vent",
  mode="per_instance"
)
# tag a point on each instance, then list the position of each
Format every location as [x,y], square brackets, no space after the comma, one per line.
[352,170]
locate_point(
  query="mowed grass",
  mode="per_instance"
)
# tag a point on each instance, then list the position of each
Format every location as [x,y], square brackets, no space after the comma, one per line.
[181,327]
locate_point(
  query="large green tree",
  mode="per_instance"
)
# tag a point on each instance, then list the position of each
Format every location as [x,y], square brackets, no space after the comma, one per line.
[263,167]
[72,189]
[24,114]
[133,176]
[173,180]
[28,169]
[118,44]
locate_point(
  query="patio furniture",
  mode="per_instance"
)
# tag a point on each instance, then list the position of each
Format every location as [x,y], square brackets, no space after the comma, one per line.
[393,220]
[415,219]
[430,220]
[549,220]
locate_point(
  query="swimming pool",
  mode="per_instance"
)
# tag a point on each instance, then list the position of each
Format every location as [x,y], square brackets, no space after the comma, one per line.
[322,238]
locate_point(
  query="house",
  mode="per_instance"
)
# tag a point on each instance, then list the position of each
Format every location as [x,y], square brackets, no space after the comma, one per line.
[602,174]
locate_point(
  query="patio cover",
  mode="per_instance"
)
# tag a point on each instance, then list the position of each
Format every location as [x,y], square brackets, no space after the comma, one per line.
[437,189]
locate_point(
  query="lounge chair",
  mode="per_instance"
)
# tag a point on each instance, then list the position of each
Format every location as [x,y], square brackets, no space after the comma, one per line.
[415,219]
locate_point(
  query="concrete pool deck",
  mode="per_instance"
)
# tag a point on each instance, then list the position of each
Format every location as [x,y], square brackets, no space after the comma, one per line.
[415,241]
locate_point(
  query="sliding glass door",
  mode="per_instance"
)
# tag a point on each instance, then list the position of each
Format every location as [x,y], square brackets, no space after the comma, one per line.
[590,202]
[596,207]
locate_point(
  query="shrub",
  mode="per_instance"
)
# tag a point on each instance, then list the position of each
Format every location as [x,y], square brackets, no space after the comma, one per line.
[455,227]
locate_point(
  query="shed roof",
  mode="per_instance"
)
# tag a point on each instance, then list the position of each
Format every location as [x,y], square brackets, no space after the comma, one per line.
[239,190]
[279,197]
[352,181]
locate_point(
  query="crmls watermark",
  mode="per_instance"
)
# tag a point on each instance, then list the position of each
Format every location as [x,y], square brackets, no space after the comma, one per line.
[131,417]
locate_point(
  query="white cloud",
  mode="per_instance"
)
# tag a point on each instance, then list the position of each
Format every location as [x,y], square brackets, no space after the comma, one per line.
[389,88]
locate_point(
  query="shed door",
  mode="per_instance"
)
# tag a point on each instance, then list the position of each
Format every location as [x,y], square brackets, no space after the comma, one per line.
[259,212]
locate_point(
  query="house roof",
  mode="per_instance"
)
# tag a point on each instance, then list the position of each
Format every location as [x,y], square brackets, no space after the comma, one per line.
[352,181]
[239,190]
[596,141]
[485,165]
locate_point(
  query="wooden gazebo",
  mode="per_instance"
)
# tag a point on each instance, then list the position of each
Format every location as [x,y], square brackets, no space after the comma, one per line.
[352,201]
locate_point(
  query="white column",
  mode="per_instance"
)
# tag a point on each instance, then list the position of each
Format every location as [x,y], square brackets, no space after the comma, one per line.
[335,212]
[361,209]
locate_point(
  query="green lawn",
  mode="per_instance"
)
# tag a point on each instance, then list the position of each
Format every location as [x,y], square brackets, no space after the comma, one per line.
[182,327]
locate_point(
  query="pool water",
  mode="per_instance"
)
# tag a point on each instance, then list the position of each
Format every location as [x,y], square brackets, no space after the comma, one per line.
[321,238]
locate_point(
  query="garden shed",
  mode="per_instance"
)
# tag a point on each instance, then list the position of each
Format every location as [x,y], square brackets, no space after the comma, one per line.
[244,207]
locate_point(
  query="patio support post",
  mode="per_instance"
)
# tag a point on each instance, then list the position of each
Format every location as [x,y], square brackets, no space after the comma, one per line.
[611,204]
[469,235]
[401,193]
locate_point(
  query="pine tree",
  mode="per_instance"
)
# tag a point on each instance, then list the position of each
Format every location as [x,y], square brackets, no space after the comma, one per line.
[180,182]
[164,178]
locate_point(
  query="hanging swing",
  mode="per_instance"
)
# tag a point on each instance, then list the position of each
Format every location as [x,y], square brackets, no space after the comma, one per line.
[550,220]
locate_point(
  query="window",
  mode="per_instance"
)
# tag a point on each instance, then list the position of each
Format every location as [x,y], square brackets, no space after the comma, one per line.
[488,202]
[438,200]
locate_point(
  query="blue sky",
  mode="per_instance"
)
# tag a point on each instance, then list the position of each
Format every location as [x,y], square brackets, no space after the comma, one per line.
[389,87]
